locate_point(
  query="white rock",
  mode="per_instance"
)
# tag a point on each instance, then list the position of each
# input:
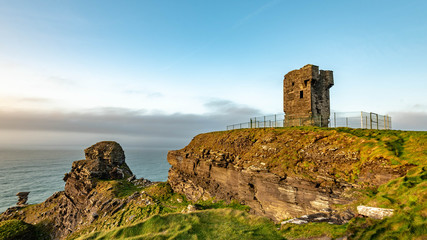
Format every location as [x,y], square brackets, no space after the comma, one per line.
[374,212]
[294,221]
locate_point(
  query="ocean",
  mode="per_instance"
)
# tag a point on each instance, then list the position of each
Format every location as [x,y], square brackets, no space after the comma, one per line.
[40,172]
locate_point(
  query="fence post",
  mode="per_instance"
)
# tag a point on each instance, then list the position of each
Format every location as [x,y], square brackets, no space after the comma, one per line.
[384,123]
[377,122]
[335,119]
[389,122]
[346,122]
[370,120]
[361,120]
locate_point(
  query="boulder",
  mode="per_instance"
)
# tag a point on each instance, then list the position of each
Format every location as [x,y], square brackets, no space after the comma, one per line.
[374,212]
[108,152]
[190,208]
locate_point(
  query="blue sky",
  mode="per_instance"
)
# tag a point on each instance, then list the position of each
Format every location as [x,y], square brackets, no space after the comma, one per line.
[86,63]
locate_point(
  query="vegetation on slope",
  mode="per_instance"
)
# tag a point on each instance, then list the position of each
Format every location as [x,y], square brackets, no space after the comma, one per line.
[397,149]
[407,195]
[205,224]
[17,229]
[156,200]
[159,213]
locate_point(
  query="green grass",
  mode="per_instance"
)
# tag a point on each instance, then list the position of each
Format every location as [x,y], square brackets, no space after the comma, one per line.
[403,225]
[212,204]
[310,230]
[205,224]
[408,197]
[162,201]
[124,188]
[407,146]
[19,230]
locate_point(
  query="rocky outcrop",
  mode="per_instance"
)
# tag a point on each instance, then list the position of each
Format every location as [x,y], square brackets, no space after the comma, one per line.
[84,198]
[266,193]
[279,173]
[104,160]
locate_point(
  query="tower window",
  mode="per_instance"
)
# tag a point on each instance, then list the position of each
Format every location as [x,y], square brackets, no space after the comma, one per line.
[306,82]
[301,94]
[293,83]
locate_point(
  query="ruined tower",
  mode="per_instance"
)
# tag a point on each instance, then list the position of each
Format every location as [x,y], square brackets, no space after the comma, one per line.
[306,96]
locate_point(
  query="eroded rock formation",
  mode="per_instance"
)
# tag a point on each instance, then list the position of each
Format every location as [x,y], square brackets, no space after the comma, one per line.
[280,174]
[104,160]
[22,198]
[83,200]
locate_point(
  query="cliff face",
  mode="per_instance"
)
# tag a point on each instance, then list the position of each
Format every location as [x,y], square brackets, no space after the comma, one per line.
[84,199]
[281,173]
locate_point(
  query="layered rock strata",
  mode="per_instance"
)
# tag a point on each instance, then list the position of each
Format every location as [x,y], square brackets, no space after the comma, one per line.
[280,174]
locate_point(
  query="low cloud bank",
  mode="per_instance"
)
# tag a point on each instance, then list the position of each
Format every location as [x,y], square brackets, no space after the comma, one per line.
[416,121]
[138,128]
[131,127]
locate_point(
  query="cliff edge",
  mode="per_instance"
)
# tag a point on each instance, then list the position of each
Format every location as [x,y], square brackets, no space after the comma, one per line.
[319,175]
[287,172]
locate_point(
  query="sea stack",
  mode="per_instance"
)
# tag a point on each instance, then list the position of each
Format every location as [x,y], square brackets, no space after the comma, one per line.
[104,160]
[22,198]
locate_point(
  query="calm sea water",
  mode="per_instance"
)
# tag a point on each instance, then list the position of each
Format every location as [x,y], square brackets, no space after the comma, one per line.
[40,172]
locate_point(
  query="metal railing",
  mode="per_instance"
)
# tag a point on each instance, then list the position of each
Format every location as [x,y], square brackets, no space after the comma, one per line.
[338,119]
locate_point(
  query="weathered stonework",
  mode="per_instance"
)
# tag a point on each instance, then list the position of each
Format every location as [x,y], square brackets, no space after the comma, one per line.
[306,96]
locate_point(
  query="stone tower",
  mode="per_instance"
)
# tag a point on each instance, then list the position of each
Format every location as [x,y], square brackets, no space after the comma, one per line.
[306,96]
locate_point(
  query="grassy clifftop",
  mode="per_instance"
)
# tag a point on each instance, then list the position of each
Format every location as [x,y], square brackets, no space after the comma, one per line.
[389,168]
[305,152]
[368,157]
